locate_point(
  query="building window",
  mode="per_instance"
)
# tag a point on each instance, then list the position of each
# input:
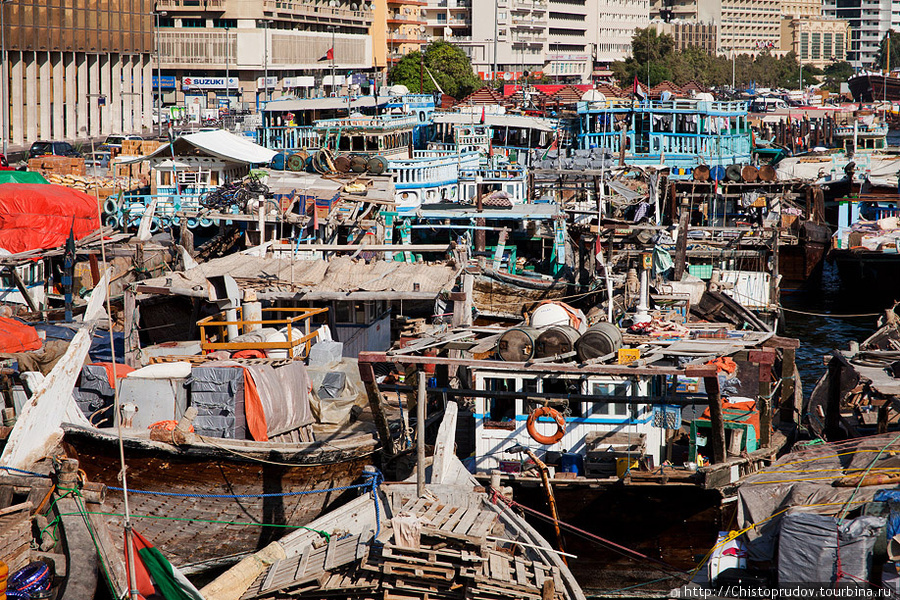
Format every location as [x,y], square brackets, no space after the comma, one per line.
[816,46]
[839,46]
[804,46]
[827,51]
[193,22]
[229,23]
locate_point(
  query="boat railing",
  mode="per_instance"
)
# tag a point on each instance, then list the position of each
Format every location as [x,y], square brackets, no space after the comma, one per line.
[681,105]
[373,124]
[429,171]
[171,208]
[290,138]
[488,174]
[296,329]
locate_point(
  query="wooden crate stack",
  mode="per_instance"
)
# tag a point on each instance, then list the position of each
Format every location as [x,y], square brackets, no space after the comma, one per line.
[407,327]
[131,147]
[57,165]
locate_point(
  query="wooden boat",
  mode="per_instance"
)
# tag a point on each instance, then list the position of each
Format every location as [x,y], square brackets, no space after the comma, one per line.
[229,496]
[448,540]
[499,292]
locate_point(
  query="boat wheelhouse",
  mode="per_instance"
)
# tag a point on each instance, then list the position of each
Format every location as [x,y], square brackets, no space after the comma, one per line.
[681,133]
[512,136]
[383,135]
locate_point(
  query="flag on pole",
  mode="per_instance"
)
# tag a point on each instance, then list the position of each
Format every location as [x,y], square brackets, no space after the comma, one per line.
[636,91]
[328,55]
[153,571]
[552,147]
[481,122]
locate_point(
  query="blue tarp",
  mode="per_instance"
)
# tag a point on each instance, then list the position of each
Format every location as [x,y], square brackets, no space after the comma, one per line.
[99,351]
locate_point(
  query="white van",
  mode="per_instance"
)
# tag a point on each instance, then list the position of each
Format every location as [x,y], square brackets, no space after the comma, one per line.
[762,105]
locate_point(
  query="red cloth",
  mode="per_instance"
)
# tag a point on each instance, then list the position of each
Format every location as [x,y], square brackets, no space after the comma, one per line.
[121,371]
[35,216]
[16,336]
[737,412]
[253,410]
[145,587]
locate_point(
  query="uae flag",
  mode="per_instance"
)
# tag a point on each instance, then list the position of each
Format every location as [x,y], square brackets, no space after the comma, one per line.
[553,146]
[328,55]
[637,92]
[155,575]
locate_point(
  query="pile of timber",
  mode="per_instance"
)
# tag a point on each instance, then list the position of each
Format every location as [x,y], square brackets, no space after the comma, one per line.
[429,549]
[408,327]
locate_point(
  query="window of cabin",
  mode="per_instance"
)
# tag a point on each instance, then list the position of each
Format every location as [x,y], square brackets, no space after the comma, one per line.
[501,412]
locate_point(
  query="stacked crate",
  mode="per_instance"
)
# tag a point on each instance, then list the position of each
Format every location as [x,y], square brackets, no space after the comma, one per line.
[57,165]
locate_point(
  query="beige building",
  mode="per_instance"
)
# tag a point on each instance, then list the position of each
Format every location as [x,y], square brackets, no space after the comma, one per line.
[690,34]
[818,41]
[239,52]
[398,28]
[77,69]
[801,8]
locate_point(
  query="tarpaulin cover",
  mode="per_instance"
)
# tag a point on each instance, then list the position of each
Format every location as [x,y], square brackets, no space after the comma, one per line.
[22,177]
[121,371]
[99,352]
[739,412]
[804,479]
[283,396]
[35,216]
[812,548]
[16,336]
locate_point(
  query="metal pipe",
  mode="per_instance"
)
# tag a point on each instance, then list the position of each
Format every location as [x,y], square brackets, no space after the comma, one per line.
[420,435]
[227,78]
[545,478]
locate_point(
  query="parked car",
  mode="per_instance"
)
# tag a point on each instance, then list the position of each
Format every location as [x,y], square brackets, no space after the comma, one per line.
[57,148]
[115,141]
[97,161]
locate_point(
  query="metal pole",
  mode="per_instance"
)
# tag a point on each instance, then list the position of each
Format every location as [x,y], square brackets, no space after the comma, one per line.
[266,59]
[494,74]
[227,78]
[158,82]
[333,76]
[5,90]
[800,53]
[732,69]
[420,436]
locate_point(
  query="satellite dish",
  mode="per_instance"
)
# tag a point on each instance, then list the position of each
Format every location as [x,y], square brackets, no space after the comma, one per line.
[593,96]
[398,90]
[354,6]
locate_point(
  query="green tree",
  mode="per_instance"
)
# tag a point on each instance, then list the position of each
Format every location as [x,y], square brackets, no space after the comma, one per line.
[895,50]
[835,74]
[447,63]
[650,56]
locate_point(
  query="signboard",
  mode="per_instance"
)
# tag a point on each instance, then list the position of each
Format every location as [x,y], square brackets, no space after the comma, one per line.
[501,75]
[209,83]
[166,83]
[304,81]
[262,81]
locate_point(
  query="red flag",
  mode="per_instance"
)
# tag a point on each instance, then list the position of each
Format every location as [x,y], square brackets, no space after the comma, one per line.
[328,55]
[482,116]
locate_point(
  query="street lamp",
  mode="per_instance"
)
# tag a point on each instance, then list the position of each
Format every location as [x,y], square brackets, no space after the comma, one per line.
[227,78]
[265,23]
[5,75]
[158,76]
[332,29]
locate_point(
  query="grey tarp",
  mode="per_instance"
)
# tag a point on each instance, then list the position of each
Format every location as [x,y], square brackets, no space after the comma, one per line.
[810,546]
[331,404]
[284,394]
[804,478]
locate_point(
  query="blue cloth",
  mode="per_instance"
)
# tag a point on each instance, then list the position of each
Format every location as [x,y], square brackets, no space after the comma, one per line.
[99,350]
[892,497]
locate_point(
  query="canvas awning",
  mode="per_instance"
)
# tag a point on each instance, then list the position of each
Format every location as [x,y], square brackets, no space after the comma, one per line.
[218,143]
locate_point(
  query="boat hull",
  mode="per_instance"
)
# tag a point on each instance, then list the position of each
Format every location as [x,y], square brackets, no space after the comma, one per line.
[874,87]
[877,273]
[502,293]
[195,532]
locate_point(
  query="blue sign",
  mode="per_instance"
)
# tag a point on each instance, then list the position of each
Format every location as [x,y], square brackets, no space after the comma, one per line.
[166,83]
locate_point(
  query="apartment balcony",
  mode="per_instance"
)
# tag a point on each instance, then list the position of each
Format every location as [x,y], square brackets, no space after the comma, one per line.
[455,4]
[190,5]
[405,38]
[529,23]
[399,19]
[312,13]
[406,3]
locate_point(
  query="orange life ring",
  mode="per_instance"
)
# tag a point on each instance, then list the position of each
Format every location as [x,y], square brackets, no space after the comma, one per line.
[544,439]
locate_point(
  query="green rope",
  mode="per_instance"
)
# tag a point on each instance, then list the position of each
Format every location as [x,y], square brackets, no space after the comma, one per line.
[210,521]
[846,507]
[82,511]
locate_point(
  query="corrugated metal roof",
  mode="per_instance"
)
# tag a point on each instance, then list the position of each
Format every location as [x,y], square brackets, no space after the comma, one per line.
[340,274]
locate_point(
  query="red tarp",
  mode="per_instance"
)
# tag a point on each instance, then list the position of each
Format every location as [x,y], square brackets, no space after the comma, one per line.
[16,336]
[35,216]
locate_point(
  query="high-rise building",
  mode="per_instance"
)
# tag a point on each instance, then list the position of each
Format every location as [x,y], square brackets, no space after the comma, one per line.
[398,28]
[220,52]
[870,20]
[689,34]
[77,69]
[561,39]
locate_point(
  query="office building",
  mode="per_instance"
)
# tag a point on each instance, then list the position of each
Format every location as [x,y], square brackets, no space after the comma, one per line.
[818,41]
[398,28]
[869,20]
[77,69]
[238,53]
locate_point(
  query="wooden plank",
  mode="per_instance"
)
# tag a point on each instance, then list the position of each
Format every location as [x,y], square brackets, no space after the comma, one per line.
[466,522]
[442,515]
[483,524]
[429,514]
[539,576]
[521,573]
[450,523]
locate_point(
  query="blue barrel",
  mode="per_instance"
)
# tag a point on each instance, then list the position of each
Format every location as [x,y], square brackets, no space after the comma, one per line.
[717,173]
[571,462]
